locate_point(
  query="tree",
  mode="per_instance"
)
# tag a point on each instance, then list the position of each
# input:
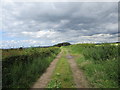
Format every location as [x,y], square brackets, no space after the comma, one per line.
[62,44]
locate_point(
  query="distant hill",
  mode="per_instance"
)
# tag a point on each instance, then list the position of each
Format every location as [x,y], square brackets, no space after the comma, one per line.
[62,44]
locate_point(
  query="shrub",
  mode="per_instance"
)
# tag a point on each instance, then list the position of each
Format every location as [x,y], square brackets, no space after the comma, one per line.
[21,69]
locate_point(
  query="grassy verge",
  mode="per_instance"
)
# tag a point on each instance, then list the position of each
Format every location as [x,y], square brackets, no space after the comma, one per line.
[62,75]
[99,64]
[20,70]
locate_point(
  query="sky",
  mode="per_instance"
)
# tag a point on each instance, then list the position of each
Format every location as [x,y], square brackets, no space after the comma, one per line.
[47,23]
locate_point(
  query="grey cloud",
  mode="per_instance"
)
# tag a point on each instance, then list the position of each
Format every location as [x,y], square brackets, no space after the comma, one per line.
[68,20]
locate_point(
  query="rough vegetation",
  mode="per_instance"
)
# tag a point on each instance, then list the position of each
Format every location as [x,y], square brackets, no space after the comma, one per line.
[99,63]
[20,68]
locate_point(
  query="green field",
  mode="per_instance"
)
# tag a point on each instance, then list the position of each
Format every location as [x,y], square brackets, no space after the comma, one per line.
[20,68]
[99,63]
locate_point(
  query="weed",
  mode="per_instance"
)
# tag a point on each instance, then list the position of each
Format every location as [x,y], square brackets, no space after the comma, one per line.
[21,69]
[99,63]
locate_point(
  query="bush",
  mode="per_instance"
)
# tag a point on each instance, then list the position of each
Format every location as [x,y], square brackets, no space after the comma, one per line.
[22,69]
[103,52]
[99,63]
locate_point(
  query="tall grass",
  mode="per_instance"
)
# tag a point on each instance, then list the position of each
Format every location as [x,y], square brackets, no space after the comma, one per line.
[21,69]
[99,63]
[103,52]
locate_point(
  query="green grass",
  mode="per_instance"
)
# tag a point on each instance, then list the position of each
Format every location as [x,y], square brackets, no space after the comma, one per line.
[99,64]
[62,75]
[22,69]
[100,75]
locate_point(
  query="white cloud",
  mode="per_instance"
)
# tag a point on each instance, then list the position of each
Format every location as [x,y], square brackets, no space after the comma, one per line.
[51,23]
[40,34]
[19,43]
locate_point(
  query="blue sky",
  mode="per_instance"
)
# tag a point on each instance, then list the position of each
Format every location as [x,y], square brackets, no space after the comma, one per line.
[48,23]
